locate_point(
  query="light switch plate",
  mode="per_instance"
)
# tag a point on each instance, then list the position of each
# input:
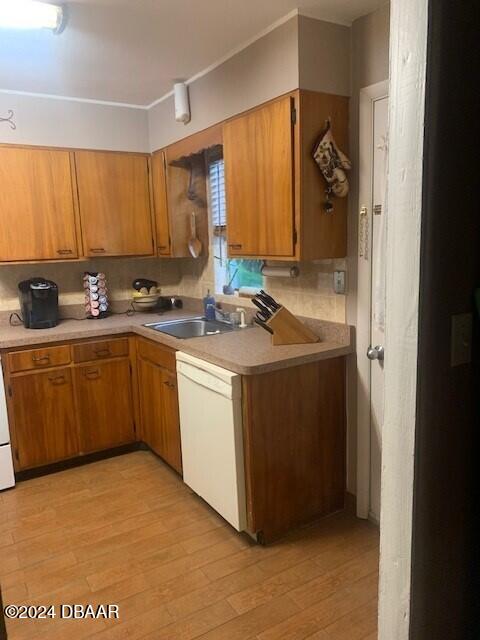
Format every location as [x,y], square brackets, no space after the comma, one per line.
[339,282]
[461,339]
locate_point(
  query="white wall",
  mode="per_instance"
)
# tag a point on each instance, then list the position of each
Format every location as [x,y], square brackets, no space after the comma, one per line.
[264,70]
[324,56]
[291,56]
[68,123]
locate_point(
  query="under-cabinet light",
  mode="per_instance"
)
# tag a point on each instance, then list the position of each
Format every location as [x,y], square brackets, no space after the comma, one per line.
[31,14]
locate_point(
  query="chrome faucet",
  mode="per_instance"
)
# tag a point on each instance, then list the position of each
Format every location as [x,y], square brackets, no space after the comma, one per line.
[223,316]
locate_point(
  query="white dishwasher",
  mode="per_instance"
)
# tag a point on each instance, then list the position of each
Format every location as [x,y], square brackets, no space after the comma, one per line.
[210,400]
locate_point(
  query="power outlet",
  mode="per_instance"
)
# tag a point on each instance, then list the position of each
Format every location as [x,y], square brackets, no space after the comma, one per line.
[461,339]
[339,285]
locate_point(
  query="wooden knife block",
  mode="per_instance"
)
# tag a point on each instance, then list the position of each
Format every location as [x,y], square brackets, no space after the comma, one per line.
[288,330]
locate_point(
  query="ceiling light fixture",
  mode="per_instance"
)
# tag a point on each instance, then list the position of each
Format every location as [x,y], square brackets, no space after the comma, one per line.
[31,14]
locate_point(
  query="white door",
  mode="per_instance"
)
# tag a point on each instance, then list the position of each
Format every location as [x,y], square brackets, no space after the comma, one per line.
[380,137]
[371,291]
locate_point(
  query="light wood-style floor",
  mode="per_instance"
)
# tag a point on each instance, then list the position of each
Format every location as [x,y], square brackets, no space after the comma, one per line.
[126,531]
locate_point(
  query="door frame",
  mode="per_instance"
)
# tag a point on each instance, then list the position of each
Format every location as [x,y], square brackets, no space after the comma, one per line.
[368,96]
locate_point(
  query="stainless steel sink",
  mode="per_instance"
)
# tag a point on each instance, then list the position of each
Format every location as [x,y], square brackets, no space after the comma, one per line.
[190,328]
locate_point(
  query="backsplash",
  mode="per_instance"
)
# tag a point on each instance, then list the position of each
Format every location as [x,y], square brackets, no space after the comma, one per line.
[310,295]
[120,273]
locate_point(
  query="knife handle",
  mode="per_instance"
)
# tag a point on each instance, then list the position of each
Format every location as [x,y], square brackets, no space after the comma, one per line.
[263,325]
[263,308]
[268,298]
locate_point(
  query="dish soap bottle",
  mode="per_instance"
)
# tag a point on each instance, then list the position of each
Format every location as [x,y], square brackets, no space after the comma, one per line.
[209,306]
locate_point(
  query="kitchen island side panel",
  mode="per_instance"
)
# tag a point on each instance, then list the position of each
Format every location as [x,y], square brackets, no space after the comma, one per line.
[294,434]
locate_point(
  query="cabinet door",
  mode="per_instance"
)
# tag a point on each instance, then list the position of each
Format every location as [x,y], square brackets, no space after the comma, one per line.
[37,216]
[44,417]
[114,199]
[151,409]
[258,154]
[159,183]
[104,405]
[159,411]
[172,452]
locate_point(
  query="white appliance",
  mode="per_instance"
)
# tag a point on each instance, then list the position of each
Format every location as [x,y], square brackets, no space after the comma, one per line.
[7,478]
[210,401]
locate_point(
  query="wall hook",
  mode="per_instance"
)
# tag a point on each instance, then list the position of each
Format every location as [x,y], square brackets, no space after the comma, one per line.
[328,204]
[9,119]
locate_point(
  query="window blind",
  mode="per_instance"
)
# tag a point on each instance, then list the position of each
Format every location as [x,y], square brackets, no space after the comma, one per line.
[217,197]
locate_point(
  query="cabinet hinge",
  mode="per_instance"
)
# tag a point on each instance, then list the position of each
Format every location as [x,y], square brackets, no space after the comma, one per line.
[294,115]
[17,458]
[10,392]
[295,236]
[134,427]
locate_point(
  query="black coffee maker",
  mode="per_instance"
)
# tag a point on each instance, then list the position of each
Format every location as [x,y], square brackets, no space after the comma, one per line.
[38,303]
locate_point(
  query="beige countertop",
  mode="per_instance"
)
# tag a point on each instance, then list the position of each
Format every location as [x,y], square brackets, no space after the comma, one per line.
[244,351]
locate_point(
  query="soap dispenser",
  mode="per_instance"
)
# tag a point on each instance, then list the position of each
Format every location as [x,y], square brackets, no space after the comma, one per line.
[209,306]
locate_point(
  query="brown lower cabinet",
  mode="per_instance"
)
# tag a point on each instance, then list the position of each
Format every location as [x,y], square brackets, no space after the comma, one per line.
[63,412]
[293,420]
[158,400]
[94,401]
[294,434]
[103,393]
[44,416]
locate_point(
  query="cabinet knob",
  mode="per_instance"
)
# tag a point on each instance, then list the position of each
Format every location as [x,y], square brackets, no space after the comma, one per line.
[64,252]
[168,384]
[235,246]
[57,380]
[97,250]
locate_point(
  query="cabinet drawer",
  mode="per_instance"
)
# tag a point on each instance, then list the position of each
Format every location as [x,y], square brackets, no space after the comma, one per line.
[38,358]
[88,351]
[156,353]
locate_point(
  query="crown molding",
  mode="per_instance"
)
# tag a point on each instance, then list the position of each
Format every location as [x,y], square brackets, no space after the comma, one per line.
[53,96]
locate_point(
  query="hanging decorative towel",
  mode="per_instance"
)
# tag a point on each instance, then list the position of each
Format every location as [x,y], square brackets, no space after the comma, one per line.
[332,162]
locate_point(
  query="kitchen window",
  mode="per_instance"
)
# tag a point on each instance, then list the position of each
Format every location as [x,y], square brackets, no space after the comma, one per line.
[230,273]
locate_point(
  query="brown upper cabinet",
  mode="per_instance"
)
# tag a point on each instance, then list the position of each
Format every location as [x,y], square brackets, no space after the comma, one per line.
[159,182]
[114,202]
[37,207]
[180,188]
[59,205]
[275,192]
[258,155]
